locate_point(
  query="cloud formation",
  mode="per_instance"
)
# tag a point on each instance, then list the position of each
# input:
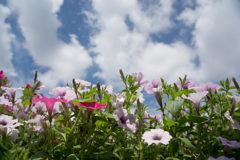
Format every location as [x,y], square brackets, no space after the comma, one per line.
[39,25]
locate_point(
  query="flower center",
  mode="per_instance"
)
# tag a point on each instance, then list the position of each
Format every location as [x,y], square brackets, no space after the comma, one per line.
[3,123]
[156,137]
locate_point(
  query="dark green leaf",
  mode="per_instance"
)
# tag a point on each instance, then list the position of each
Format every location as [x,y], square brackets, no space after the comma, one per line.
[72,157]
[66,130]
[40,155]
[174,106]
[188,143]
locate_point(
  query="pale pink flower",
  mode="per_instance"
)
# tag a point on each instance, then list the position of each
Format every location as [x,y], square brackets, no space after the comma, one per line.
[196,98]
[206,87]
[186,86]
[157,136]
[153,86]
[58,91]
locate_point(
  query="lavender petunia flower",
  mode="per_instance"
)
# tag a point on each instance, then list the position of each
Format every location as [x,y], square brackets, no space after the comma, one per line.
[232,144]
[8,123]
[141,79]
[59,91]
[234,123]
[196,98]
[154,86]
[5,101]
[158,117]
[125,119]
[41,107]
[186,86]
[21,115]
[236,100]
[206,87]
[156,136]
[221,158]
[82,83]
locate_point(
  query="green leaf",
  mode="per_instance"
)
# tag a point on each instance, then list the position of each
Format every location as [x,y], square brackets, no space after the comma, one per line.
[106,97]
[174,106]
[25,102]
[83,100]
[232,87]
[99,122]
[60,132]
[170,123]
[130,141]
[66,130]
[185,92]
[40,155]
[108,154]
[191,118]
[188,143]
[109,115]
[128,96]
[72,157]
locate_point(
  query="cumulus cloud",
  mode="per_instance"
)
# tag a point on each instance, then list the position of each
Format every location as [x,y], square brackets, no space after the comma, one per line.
[216,37]
[133,50]
[39,24]
[6,37]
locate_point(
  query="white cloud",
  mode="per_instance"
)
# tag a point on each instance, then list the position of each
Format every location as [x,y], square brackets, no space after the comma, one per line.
[39,24]
[216,36]
[6,37]
[133,50]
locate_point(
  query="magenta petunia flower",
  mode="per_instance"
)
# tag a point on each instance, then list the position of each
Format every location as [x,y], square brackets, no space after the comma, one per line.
[221,158]
[156,136]
[91,105]
[49,102]
[125,119]
[154,86]
[206,87]
[186,86]
[196,98]
[1,75]
[58,91]
[231,144]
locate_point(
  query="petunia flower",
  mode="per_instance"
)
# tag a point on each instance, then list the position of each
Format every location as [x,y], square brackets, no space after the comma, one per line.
[156,136]
[21,115]
[186,86]
[82,83]
[206,87]
[232,144]
[141,80]
[196,99]
[40,107]
[40,127]
[58,91]
[221,158]
[125,119]
[234,123]
[153,86]
[12,91]
[236,100]
[49,102]
[1,75]
[90,106]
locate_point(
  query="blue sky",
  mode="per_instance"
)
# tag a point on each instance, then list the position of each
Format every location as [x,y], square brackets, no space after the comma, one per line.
[91,40]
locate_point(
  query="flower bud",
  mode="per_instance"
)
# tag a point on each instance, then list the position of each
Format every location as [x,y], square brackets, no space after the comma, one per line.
[235,83]
[121,72]
[74,83]
[139,106]
[35,77]
[159,98]
[36,86]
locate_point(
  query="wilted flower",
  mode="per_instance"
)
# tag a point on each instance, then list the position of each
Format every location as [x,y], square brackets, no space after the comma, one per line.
[125,119]
[156,136]
[196,98]
[186,86]
[153,86]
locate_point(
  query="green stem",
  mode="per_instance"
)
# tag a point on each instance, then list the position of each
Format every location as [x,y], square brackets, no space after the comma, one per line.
[155,153]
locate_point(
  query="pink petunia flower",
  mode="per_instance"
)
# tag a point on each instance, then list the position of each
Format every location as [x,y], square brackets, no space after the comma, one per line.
[206,87]
[156,136]
[49,102]
[186,86]
[196,98]
[154,86]
[58,91]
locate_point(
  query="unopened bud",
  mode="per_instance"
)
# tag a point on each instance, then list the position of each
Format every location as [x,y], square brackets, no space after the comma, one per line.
[159,98]
[235,83]
[162,80]
[36,86]
[121,72]
[185,77]
[67,84]
[226,150]
[74,83]
[139,106]
[35,77]
[99,88]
